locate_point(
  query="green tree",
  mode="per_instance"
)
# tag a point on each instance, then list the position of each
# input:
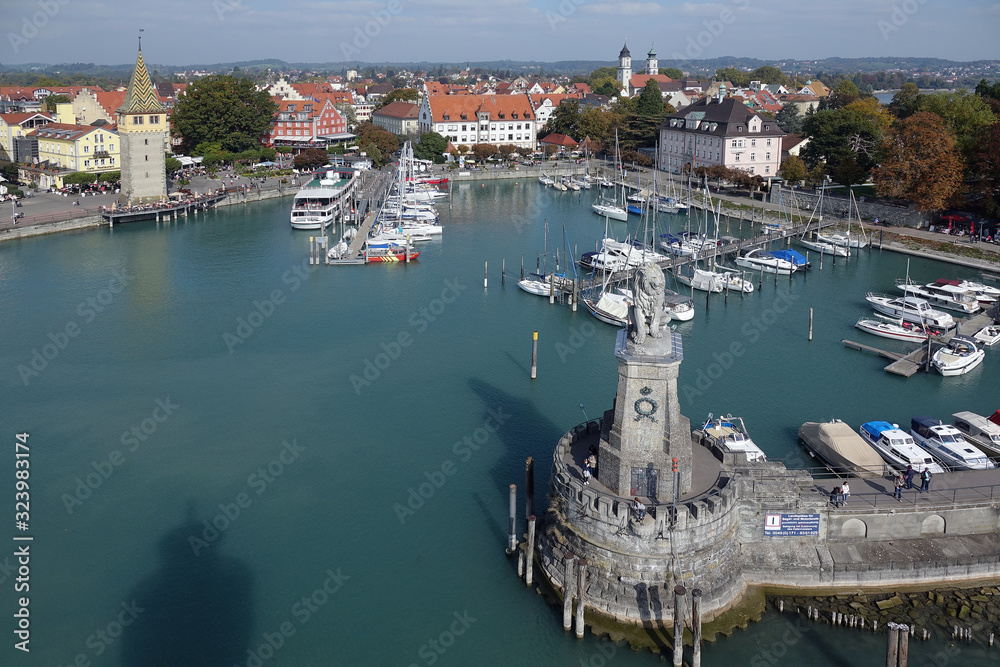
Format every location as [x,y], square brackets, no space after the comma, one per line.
[310,158]
[506,150]
[769,74]
[966,115]
[650,100]
[431,147]
[173,164]
[673,73]
[110,177]
[737,77]
[79,178]
[399,95]
[985,90]
[52,100]
[223,108]
[843,94]
[920,162]
[985,171]
[564,119]
[906,101]
[789,119]
[793,169]
[836,134]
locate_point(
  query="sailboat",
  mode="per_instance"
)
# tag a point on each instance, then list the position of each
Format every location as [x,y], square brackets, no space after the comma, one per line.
[715,279]
[847,240]
[816,245]
[612,209]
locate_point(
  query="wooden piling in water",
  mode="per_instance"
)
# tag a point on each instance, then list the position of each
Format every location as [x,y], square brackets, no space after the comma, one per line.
[904,646]
[892,646]
[529,486]
[512,520]
[534,355]
[696,626]
[679,593]
[503,271]
[810,324]
[581,588]
[568,592]
[529,552]
[486,274]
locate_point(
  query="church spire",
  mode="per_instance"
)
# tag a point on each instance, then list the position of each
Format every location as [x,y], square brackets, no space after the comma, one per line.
[141,95]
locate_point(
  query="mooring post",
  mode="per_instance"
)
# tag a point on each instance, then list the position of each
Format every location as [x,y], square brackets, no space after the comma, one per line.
[512,522]
[679,593]
[534,354]
[522,267]
[581,581]
[486,274]
[568,592]
[552,288]
[810,324]
[529,486]
[529,552]
[407,248]
[892,645]
[503,272]
[576,294]
[821,253]
[904,645]
[695,628]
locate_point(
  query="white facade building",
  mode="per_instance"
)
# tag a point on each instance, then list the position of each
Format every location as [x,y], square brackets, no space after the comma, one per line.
[480,119]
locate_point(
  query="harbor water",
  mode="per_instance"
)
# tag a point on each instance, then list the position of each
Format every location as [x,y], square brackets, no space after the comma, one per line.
[240,459]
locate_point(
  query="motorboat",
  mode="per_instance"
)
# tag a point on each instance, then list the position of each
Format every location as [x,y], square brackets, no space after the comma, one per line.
[978,430]
[796,258]
[839,447]
[679,307]
[957,357]
[729,434]
[986,294]
[988,335]
[942,296]
[825,248]
[632,208]
[388,255]
[761,260]
[897,447]
[734,281]
[911,309]
[948,444]
[894,328]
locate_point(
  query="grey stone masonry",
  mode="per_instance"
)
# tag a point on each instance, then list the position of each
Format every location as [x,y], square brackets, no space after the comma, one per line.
[648,430]
[144,173]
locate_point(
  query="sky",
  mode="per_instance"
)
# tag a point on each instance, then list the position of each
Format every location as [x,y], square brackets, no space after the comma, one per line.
[191,32]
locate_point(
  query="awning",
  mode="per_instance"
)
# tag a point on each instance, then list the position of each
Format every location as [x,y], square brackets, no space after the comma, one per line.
[338,137]
[301,140]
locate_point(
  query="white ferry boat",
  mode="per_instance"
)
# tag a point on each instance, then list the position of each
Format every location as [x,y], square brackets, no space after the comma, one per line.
[320,200]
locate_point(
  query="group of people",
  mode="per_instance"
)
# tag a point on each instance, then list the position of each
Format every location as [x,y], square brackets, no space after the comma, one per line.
[840,494]
[589,466]
[905,480]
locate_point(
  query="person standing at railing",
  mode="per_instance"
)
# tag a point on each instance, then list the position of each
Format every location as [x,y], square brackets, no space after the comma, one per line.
[898,484]
[845,492]
[925,480]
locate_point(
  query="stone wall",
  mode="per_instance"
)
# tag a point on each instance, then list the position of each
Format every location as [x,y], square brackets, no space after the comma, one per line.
[837,208]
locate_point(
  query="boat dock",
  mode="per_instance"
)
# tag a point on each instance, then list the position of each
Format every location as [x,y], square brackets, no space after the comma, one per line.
[163,211]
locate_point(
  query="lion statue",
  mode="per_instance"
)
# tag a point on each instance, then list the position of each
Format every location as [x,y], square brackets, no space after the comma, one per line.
[647,307]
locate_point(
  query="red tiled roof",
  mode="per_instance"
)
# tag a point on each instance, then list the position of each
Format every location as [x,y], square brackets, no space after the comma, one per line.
[28,92]
[110,101]
[640,80]
[18,118]
[399,109]
[498,106]
[537,100]
[557,139]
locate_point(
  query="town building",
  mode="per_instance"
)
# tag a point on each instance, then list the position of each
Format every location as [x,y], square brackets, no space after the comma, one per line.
[400,118]
[306,124]
[64,148]
[142,128]
[480,119]
[14,129]
[720,131]
[545,105]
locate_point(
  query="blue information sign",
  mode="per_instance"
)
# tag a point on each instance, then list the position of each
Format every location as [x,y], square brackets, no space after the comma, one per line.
[791,525]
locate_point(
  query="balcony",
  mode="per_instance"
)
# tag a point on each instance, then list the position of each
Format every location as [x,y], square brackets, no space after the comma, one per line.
[100,154]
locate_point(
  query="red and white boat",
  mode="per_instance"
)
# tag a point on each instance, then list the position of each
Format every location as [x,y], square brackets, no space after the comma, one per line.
[389,255]
[897,329]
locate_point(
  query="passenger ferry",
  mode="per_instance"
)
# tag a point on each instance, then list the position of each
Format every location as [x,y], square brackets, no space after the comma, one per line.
[320,200]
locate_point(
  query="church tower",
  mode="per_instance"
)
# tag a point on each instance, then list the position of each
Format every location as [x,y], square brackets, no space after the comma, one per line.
[624,68]
[652,67]
[142,131]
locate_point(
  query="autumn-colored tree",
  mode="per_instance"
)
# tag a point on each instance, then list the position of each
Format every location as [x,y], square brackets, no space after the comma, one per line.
[310,158]
[920,162]
[506,150]
[484,151]
[985,171]
[793,169]
[872,110]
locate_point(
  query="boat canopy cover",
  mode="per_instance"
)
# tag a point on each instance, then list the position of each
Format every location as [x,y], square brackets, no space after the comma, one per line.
[924,421]
[613,307]
[875,428]
[838,443]
[793,256]
[995,417]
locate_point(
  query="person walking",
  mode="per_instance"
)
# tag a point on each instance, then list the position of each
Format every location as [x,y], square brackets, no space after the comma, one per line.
[898,490]
[835,496]
[640,509]
[845,492]
[910,472]
[925,480]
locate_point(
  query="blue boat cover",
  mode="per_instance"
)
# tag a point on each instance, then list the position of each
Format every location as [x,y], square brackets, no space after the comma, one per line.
[793,256]
[874,429]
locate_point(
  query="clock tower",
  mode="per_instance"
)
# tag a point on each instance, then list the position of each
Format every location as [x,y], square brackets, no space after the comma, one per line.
[142,130]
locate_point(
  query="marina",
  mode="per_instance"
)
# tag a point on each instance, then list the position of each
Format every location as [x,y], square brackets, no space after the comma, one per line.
[443,351]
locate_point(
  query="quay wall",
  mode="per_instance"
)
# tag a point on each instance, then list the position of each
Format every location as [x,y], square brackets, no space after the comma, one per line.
[716,542]
[833,207]
[86,222]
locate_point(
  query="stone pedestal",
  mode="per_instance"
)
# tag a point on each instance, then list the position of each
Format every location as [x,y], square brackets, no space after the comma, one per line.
[649,431]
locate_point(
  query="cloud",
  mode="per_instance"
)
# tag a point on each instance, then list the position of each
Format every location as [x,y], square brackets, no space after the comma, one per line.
[623,8]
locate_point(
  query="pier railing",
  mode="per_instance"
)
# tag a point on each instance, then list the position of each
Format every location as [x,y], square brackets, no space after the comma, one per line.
[967,495]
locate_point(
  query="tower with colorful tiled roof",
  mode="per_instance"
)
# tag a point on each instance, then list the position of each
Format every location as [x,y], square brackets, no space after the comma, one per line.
[142,128]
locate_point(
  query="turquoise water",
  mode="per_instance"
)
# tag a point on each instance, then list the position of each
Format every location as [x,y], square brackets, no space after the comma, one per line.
[351,432]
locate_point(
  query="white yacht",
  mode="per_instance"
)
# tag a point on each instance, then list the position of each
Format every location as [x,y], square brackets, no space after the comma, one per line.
[897,447]
[842,240]
[730,435]
[948,445]
[320,200]
[825,248]
[911,309]
[957,357]
[761,260]
[978,430]
[947,296]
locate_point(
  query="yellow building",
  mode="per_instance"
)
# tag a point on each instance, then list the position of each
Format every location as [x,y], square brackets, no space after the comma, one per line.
[14,129]
[64,149]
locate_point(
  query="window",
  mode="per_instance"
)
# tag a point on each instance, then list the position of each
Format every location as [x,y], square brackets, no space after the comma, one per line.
[753,143]
[737,157]
[767,170]
[86,163]
[464,128]
[767,127]
[753,157]
[86,149]
[510,137]
[767,156]
[137,120]
[734,143]
[153,120]
[146,141]
[768,142]
[147,160]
